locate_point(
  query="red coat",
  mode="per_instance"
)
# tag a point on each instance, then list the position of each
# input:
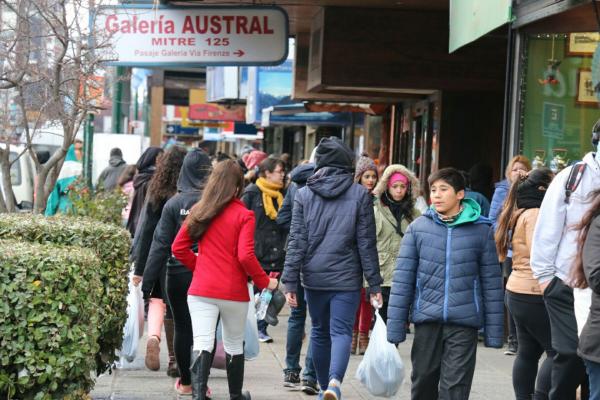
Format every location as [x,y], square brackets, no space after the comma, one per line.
[225,256]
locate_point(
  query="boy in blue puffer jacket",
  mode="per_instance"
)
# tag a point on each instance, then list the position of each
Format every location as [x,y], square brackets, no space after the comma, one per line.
[448,271]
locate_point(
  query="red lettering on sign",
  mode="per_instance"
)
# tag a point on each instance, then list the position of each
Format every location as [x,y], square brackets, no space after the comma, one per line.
[266,29]
[228,19]
[134,25]
[241,24]
[215,21]
[255,26]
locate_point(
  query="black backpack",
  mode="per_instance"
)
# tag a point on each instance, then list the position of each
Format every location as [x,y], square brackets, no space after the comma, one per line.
[574,178]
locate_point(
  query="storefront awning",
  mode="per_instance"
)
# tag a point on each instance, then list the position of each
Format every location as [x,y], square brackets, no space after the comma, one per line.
[471,19]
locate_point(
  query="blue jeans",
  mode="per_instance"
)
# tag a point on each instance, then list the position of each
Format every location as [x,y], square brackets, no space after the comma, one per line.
[593,370]
[293,345]
[332,315]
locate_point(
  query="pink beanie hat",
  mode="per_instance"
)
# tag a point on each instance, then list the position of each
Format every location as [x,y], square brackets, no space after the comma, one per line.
[254,158]
[397,176]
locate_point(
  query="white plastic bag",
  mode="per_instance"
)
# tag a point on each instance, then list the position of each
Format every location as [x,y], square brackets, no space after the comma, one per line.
[134,327]
[251,344]
[381,370]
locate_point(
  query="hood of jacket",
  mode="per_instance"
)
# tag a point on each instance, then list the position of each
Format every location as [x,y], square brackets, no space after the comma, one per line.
[116,161]
[330,182]
[196,167]
[471,214]
[71,156]
[333,152]
[381,187]
[148,158]
[301,173]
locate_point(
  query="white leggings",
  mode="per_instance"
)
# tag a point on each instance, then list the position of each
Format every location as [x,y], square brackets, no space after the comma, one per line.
[205,312]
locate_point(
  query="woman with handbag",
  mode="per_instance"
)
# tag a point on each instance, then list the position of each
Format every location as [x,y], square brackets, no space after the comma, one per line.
[223,229]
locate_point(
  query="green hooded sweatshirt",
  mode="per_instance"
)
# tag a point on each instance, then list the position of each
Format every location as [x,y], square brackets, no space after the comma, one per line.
[470,213]
[58,201]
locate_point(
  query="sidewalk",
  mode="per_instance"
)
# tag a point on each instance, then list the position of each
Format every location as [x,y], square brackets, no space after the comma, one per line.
[264,377]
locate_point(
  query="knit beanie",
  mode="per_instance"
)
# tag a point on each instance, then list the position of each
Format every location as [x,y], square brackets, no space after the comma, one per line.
[363,165]
[254,158]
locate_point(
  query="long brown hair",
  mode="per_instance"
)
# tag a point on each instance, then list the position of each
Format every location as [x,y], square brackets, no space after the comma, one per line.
[508,217]
[577,277]
[163,184]
[224,183]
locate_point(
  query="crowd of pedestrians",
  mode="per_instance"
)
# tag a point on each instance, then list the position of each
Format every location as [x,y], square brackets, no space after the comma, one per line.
[343,237]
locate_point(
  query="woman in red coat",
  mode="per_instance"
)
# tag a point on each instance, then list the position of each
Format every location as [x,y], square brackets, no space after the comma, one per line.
[223,229]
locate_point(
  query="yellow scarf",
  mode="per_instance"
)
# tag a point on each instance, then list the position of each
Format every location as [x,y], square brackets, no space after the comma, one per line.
[270,191]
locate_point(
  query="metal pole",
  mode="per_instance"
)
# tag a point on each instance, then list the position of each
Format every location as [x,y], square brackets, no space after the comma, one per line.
[117,112]
[88,149]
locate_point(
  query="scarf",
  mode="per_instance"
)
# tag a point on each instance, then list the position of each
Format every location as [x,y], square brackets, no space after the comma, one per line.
[452,218]
[399,209]
[270,191]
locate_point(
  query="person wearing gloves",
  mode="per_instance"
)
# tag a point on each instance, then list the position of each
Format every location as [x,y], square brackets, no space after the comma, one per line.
[332,246]
[194,171]
[554,249]
[448,271]
[366,175]
[394,207]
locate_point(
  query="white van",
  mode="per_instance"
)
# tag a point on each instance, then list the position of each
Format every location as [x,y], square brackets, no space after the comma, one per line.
[22,176]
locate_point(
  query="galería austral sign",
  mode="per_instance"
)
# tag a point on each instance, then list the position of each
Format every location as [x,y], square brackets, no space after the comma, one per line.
[186,36]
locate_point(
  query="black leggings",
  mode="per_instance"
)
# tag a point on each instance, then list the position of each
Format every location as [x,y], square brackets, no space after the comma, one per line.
[177,288]
[533,333]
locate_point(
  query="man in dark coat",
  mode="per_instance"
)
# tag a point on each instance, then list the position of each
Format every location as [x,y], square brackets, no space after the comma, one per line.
[110,176]
[332,246]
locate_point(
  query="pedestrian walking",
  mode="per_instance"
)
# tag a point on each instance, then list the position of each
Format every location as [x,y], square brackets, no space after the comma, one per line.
[586,274]
[109,177]
[162,187]
[58,200]
[448,271]
[332,245]
[554,249]
[523,294]
[516,167]
[264,198]
[395,210]
[146,165]
[194,171]
[297,319]
[366,175]
[223,230]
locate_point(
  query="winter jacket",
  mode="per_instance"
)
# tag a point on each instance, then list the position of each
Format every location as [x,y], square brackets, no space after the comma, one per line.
[498,198]
[388,240]
[58,201]
[299,176]
[146,166]
[450,274]
[521,279]
[332,241]
[225,256]
[483,202]
[269,238]
[195,169]
[109,178]
[554,242]
[589,340]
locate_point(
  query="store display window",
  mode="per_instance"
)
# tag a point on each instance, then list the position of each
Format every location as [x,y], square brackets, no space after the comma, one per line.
[560,93]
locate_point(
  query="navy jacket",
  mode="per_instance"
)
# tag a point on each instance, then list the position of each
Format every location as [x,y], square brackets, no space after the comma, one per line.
[332,241]
[449,275]
[299,176]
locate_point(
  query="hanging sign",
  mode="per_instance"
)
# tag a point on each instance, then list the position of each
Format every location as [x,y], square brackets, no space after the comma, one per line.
[199,36]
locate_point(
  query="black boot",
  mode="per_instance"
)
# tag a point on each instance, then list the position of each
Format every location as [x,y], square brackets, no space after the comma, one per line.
[235,377]
[200,369]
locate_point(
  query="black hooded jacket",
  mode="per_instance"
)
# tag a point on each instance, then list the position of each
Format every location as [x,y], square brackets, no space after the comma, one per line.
[195,169]
[146,166]
[332,242]
[299,176]
[109,178]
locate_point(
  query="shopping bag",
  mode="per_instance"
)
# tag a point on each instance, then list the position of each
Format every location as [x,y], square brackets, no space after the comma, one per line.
[251,344]
[381,370]
[134,327]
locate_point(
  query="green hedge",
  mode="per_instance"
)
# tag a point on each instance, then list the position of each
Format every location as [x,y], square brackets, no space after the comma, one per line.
[111,245]
[49,301]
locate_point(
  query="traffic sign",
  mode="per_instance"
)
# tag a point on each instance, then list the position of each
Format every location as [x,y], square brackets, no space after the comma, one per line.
[142,35]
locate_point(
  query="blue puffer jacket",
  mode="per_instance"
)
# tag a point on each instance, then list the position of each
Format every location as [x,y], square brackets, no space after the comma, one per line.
[332,241]
[498,198]
[450,274]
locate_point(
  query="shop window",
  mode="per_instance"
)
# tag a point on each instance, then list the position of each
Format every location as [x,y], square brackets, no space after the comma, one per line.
[559,103]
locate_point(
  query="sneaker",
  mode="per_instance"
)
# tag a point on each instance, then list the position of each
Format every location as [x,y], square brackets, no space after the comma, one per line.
[152,353]
[511,350]
[309,387]
[291,379]
[264,337]
[333,392]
